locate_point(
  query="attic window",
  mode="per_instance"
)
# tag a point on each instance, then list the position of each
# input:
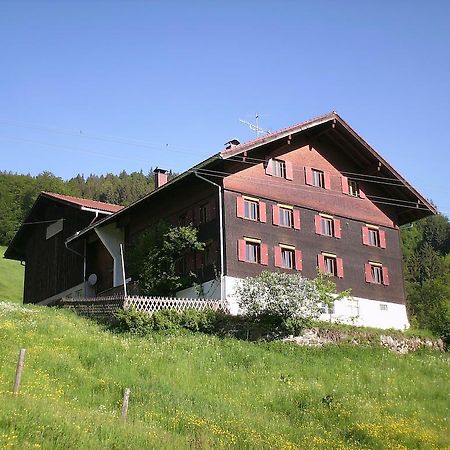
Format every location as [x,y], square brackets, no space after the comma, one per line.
[54,228]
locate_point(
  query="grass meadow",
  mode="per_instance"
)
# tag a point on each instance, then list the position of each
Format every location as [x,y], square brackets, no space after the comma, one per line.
[11,279]
[195,391]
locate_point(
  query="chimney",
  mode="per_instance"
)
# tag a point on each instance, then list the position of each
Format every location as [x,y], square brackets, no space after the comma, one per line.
[232,143]
[160,177]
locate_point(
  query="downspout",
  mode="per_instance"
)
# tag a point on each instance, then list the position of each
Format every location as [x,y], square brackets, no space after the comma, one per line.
[222,255]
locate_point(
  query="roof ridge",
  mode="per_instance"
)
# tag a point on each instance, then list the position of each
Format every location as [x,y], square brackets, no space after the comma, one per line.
[56,194]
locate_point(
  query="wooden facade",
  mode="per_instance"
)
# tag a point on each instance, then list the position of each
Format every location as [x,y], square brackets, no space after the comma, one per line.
[305,169]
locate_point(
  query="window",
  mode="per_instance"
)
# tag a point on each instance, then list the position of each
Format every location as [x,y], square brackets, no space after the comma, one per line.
[326,309]
[318,178]
[353,188]
[251,209]
[383,307]
[375,273]
[331,264]
[253,251]
[286,216]
[327,225]
[203,214]
[287,257]
[279,168]
[373,236]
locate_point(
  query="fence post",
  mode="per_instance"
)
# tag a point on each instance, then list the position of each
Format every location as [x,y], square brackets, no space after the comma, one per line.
[126,396]
[19,370]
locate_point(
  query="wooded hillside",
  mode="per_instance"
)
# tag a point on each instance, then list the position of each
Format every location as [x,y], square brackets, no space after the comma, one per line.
[18,192]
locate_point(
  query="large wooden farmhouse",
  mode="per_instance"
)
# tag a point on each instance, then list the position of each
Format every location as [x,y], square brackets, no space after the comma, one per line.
[314,196]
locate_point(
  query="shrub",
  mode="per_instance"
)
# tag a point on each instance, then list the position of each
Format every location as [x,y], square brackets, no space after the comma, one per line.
[204,321]
[133,321]
[280,295]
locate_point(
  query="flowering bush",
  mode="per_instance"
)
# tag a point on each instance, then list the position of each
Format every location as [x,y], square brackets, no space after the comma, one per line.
[280,295]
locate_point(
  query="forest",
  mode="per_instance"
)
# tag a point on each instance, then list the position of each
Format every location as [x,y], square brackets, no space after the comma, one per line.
[425,244]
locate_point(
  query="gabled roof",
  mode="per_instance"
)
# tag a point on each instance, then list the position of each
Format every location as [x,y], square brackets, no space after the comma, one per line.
[359,149]
[84,202]
[15,248]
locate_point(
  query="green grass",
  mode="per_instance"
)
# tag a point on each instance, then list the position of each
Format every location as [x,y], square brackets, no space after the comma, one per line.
[11,279]
[193,391]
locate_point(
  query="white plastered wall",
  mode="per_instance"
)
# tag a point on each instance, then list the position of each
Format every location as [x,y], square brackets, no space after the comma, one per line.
[356,310]
[112,237]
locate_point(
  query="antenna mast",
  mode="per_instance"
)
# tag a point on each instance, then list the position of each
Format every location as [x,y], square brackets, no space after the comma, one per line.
[255,126]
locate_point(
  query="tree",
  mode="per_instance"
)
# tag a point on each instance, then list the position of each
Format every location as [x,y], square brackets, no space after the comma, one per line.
[157,257]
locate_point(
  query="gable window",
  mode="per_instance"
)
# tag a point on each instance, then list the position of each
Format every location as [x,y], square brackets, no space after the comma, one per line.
[253,251]
[317,178]
[286,216]
[287,257]
[353,188]
[279,168]
[375,273]
[251,209]
[331,264]
[327,225]
[373,236]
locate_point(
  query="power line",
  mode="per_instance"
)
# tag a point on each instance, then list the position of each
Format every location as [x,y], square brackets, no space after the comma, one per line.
[381,200]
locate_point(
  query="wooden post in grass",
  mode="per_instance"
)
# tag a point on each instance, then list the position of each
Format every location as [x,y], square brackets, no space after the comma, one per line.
[19,370]
[126,396]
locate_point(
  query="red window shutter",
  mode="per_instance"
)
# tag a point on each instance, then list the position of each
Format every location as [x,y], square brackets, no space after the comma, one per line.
[240,207]
[276,215]
[365,235]
[318,224]
[385,276]
[321,263]
[344,181]
[296,214]
[277,255]
[264,254]
[382,239]
[327,180]
[269,166]
[241,250]
[298,260]
[368,273]
[340,267]
[337,228]
[289,171]
[308,176]
[262,212]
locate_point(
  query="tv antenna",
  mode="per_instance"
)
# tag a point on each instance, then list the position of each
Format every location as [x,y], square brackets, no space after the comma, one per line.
[255,126]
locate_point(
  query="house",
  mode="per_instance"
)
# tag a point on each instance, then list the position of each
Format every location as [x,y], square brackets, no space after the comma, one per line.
[53,270]
[314,196]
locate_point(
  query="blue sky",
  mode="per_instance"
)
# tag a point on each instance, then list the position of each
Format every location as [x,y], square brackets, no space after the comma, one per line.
[97,86]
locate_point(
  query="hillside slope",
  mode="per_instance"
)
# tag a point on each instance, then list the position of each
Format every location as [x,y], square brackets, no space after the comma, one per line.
[199,391]
[11,279]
